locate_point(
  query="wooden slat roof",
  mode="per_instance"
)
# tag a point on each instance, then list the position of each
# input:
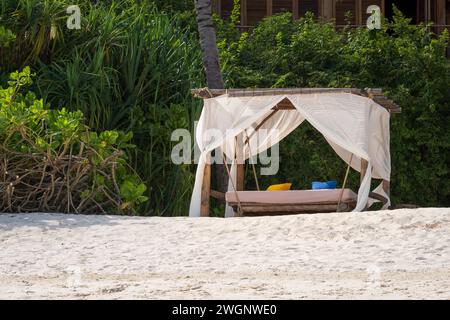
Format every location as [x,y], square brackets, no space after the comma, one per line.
[376,95]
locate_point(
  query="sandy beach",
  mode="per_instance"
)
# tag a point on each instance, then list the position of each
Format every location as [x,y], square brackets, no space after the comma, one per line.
[400,254]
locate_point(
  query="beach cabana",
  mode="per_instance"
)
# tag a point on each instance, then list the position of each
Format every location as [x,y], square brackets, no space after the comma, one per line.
[354,122]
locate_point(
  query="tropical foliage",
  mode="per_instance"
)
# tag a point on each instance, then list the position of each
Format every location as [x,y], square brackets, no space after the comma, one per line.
[6,37]
[129,68]
[50,160]
[132,64]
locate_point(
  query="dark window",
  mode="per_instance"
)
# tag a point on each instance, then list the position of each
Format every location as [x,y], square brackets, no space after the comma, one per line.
[342,8]
[308,6]
[226,7]
[408,7]
[281,6]
[448,12]
[423,10]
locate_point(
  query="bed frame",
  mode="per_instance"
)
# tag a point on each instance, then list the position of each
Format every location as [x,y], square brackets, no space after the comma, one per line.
[299,202]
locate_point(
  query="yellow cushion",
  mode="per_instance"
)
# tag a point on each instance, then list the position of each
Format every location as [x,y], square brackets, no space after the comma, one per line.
[280,187]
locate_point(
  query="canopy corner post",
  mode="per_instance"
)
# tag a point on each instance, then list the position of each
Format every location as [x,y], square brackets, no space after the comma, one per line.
[240,162]
[240,177]
[387,187]
[364,166]
[206,191]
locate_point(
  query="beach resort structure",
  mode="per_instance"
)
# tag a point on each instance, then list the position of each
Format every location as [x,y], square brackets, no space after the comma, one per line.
[354,122]
[252,11]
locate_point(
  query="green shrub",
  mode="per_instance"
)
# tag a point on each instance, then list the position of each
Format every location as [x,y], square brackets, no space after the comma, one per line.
[6,37]
[130,67]
[174,5]
[50,161]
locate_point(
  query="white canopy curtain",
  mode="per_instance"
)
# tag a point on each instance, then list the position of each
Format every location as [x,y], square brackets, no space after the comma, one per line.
[351,124]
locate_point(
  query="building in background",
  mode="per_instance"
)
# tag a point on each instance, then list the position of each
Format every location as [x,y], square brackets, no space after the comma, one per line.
[252,11]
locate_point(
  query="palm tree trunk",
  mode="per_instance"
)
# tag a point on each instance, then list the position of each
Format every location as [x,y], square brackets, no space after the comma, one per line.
[211,64]
[207,35]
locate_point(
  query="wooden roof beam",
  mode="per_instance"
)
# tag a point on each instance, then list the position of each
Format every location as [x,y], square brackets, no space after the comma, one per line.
[375,94]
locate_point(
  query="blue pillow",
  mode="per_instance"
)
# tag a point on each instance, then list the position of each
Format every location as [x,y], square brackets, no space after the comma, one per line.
[316,185]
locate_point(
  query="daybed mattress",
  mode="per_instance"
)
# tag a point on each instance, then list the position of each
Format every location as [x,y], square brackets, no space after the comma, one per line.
[325,196]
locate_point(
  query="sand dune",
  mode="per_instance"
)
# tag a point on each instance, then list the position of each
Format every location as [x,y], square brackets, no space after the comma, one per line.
[388,254]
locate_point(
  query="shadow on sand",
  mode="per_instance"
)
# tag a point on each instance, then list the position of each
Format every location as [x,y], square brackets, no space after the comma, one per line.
[52,221]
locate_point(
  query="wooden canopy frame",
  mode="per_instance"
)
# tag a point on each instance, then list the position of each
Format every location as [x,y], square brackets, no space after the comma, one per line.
[376,95]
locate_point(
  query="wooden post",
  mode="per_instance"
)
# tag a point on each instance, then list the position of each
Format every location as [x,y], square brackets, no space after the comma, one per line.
[327,9]
[206,191]
[387,187]
[440,15]
[295,9]
[244,13]
[269,8]
[364,165]
[240,177]
[240,162]
[358,13]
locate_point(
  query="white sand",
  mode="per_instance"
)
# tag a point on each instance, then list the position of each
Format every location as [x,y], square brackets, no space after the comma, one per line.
[390,254]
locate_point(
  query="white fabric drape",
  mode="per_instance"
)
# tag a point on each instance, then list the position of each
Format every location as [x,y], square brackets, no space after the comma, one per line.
[351,124]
